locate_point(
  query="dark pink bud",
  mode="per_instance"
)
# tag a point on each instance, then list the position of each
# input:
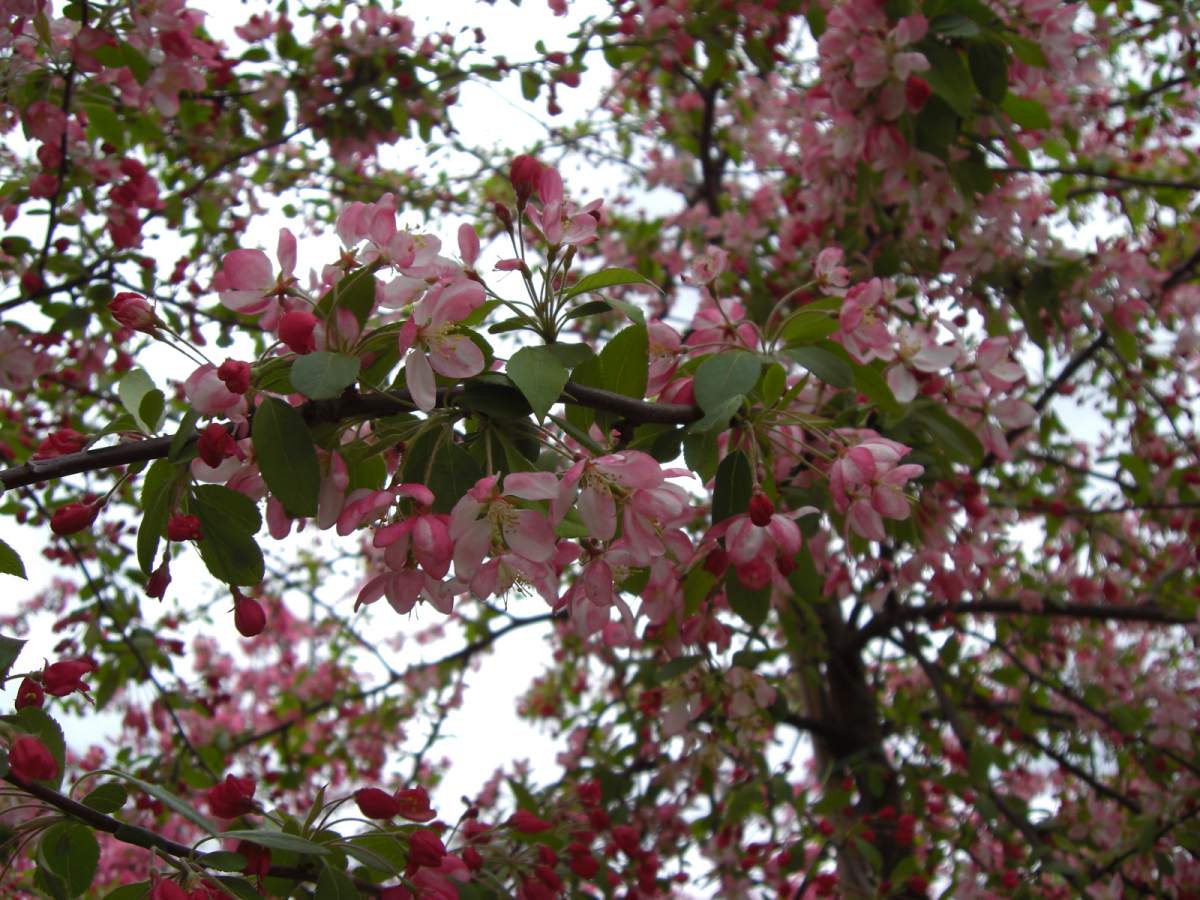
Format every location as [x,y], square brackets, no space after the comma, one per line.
[216,445]
[525,174]
[376,804]
[236,375]
[916,92]
[66,677]
[73,518]
[248,615]
[425,848]
[183,528]
[30,693]
[30,760]
[527,823]
[296,330]
[60,443]
[761,509]
[233,797]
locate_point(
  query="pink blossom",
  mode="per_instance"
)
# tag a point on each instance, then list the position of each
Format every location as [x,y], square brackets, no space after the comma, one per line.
[868,482]
[486,521]
[247,282]
[433,341]
[210,397]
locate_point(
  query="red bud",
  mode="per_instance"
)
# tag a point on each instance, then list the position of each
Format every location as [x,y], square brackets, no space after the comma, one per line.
[761,509]
[248,615]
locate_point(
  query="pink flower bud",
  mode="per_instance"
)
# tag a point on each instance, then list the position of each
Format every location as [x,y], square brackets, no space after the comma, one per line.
[184,528]
[425,848]
[216,445]
[73,518]
[60,443]
[156,586]
[132,311]
[233,797]
[248,615]
[376,804]
[414,805]
[30,693]
[527,823]
[30,760]
[525,175]
[761,509]
[296,330]
[66,677]
[236,375]
[916,91]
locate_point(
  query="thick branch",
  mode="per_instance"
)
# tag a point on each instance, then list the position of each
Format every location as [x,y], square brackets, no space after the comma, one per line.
[350,406]
[134,835]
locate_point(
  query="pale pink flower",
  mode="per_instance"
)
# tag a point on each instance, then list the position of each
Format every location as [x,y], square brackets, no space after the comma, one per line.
[247,282]
[209,396]
[433,343]
[867,482]
[486,521]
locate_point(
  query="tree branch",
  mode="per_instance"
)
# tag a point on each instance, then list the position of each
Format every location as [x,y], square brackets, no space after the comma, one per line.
[350,406]
[1096,612]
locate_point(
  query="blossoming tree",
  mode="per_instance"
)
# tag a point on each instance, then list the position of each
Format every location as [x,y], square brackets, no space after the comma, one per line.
[854,479]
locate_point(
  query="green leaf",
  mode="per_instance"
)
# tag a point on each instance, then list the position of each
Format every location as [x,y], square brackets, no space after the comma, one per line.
[591,308]
[949,76]
[151,410]
[1027,51]
[954,25]
[1025,113]
[672,669]
[774,383]
[70,851]
[230,554]
[333,884]
[10,649]
[223,861]
[868,380]
[830,368]
[725,375]
[717,420]
[808,327]
[10,561]
[168,799]
[232,508]
[956,439]
[539,375]
[179,443]
[106,798]
[734,485]
[752,605]
[355,292]
[286,456]
[625,361]
[370,858]
[454,473]
[988,62]
[936,127]
[157,500]
[276,840]
[105,124]
[571,355]
[239,887]
[605,278]
[139,891]
[132,390]
[323,375]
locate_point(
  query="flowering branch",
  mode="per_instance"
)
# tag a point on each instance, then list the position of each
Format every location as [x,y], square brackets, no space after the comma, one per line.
[349,406]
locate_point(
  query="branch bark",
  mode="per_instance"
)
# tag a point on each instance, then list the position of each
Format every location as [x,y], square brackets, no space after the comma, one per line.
[351,406]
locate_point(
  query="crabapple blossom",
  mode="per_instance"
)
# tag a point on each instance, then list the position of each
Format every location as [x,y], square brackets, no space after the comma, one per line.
[431,341]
